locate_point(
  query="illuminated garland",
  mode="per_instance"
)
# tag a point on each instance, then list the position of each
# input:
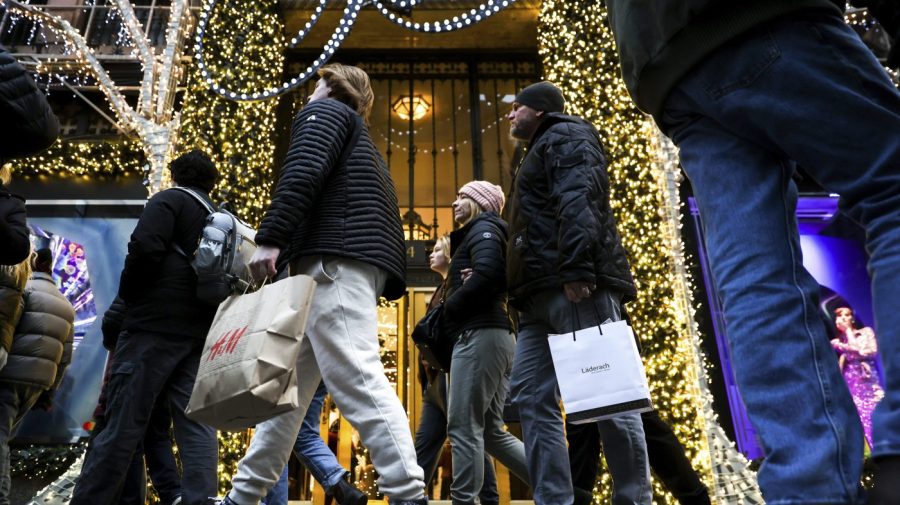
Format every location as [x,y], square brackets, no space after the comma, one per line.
[85,159]
[220,83]
[579,53]
[246,39]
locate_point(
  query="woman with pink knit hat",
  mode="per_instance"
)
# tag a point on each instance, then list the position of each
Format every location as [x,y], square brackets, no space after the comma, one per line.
[475,314]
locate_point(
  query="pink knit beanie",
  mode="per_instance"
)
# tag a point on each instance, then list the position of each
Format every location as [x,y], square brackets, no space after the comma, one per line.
[489,196]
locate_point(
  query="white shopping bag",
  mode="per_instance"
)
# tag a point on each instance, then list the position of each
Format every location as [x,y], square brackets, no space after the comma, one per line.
[600,373]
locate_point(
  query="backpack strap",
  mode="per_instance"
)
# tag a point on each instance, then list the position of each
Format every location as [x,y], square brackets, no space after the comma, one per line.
[206,205]
[352,140]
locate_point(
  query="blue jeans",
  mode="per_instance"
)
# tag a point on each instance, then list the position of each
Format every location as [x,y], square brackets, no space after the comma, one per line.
[799,90]
[312,451]
[535,393]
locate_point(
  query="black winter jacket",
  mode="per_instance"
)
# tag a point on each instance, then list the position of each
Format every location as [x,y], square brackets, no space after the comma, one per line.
[322,207]
[14,243]
[113,320]
[659,41]
[158,283]
[480,302]
[28,125]
[561,226]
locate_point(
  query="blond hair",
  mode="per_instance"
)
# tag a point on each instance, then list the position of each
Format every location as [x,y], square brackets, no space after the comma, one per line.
[444,243]
[351,86]
[19,273]
[5,174]
[475,210]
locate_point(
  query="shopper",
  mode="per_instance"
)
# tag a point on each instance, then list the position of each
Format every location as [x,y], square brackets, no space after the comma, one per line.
[40,353]
[158,353]
[747,91]
[475,316]
[566,270]
[334,217]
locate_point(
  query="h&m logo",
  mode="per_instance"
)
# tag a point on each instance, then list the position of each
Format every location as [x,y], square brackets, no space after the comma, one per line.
[595,368]
[226,343]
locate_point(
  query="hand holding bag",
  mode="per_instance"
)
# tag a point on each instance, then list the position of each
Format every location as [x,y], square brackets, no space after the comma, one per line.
[248,370]
[600,373]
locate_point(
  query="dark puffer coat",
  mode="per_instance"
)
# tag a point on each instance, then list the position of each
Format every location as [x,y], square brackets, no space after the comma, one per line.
[42,347]
[13,228]
[28,124]
[345,209]
[158,283]
[480,302]
[561,226]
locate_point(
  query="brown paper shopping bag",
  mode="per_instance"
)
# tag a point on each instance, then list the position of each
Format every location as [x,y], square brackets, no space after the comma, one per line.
[247,372]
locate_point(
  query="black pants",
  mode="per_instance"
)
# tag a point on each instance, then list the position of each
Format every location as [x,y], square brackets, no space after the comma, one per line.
[147,367]
[667,459]
[161,465]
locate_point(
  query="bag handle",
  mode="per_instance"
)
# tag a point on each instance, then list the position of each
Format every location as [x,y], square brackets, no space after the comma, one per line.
[576,322]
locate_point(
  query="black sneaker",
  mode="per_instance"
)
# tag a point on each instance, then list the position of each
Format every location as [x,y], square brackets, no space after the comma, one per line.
[887,474]
[220,501]
[345,493]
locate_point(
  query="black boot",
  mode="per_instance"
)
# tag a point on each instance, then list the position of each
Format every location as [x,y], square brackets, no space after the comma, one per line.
[345,493]
[887,477]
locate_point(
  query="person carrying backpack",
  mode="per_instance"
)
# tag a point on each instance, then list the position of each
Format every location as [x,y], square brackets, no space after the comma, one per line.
[158,352]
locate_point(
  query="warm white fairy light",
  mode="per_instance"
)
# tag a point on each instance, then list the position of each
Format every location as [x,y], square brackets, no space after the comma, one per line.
[340,33]
[153,123]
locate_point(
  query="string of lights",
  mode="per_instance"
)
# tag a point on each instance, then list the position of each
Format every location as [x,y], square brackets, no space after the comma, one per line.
[351,12]
[84,159]
[337,37]
[474,15]
[578,51]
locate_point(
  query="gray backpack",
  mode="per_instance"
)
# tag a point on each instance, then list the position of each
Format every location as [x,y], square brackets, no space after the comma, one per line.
[223,254]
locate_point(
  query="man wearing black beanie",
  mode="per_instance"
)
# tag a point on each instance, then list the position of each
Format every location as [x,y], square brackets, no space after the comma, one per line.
[566,270]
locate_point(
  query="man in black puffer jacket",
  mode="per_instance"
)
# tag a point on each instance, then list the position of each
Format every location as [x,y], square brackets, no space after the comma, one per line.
[334,217]
[28,126]
[158,353]
[566,270]
[748,91]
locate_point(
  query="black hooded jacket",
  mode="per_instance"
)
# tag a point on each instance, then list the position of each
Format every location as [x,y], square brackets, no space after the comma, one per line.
[14,242]
[480,302]
[158,284]
[28,125]
[561,226]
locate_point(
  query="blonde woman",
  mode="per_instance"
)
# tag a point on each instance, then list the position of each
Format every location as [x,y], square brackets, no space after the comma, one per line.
[475,313]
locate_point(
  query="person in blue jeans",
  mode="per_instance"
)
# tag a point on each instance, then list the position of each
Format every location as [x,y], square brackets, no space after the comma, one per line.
[749,90]
[315,455]
[566,270]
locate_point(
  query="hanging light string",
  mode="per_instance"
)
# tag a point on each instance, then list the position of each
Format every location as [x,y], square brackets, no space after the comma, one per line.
[348,19]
